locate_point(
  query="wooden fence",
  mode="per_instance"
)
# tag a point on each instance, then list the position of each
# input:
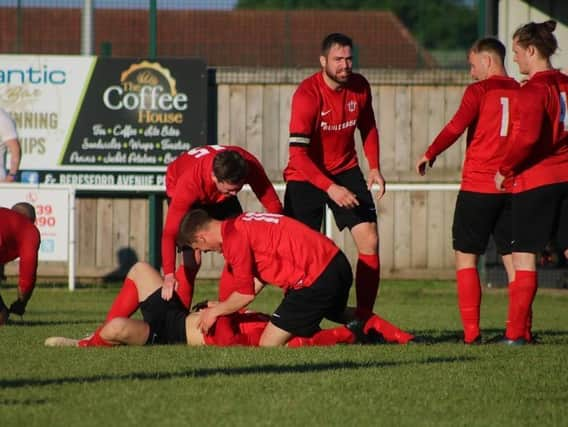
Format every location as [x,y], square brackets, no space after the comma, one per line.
[415,227]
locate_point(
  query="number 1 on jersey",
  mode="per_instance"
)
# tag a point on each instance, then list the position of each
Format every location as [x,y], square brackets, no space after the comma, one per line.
[504,116]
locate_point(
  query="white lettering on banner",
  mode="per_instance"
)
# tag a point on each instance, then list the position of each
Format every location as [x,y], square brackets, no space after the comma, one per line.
[170,131]
[178,145]
[114,158]
[99,144]
[136,144]
[78,158]
[149,98]
[135,180]
[152,131]
[125,131]
[141,158]
[68,178]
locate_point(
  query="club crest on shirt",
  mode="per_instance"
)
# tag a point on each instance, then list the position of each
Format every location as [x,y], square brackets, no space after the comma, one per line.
[351,106]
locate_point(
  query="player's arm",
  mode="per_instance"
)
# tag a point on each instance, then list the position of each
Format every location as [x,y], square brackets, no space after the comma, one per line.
[262,187]
[242,285]
[526,129]
[182,201]
[13,147]
[303,123]
[29,246]
[302,126]
[466,114]
[370,137]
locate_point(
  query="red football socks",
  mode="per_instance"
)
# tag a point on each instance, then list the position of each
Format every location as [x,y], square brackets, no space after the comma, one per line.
[521,293]
[325,337]
[367,278]
[126,302]
[95,340]
[391,333]
[185,277]
[124,305]
[469,302]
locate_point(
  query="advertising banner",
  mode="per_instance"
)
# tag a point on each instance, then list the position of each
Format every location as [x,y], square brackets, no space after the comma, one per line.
[52,216]
[112,121]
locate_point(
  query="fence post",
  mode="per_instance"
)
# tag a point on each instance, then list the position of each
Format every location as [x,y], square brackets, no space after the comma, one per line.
[153,20]
[155,230]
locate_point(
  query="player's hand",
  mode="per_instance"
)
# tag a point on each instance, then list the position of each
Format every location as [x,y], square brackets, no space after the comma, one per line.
[169,286]
[207,319]
[200,306]
[375,177]
[499,179]
[422,163]
[342,196]
[203,305]
[18,307]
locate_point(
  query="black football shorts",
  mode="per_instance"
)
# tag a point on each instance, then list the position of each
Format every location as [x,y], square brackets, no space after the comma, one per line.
[305,202]
[478,216]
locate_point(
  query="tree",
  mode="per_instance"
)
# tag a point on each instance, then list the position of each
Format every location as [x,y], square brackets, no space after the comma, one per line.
[440,24]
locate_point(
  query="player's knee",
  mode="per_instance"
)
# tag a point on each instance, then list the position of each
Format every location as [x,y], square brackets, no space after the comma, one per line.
[369,244]
[115,330]
[140,268]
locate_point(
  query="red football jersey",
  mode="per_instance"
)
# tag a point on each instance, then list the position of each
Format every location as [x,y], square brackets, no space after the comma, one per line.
[189,182]
[237,329]
[322,130]
[273,248]
[485,113]
[538,152]
[19,237]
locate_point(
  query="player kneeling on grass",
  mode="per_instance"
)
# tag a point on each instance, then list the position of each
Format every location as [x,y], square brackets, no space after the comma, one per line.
[279,250]
[168,322]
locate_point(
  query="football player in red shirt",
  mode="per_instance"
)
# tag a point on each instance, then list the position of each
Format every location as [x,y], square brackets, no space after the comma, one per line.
[484,112]
[168,322]
[537,160]
[311,270]
[323,169]
[19,238]
[208,177]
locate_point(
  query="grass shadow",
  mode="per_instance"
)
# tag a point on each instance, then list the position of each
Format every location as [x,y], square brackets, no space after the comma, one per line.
[236,371]
[489,335]
[34,323]
[23,402]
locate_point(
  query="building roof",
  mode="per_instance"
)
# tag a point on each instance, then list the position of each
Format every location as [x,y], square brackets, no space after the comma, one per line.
[223,38]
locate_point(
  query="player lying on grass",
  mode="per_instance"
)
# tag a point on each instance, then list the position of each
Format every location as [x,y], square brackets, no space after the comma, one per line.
[313,272]
[168,322]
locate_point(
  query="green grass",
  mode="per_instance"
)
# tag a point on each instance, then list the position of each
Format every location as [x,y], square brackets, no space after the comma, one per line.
[421,385]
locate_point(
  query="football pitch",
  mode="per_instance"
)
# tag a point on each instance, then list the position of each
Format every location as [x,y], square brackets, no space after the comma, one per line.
[442,383]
